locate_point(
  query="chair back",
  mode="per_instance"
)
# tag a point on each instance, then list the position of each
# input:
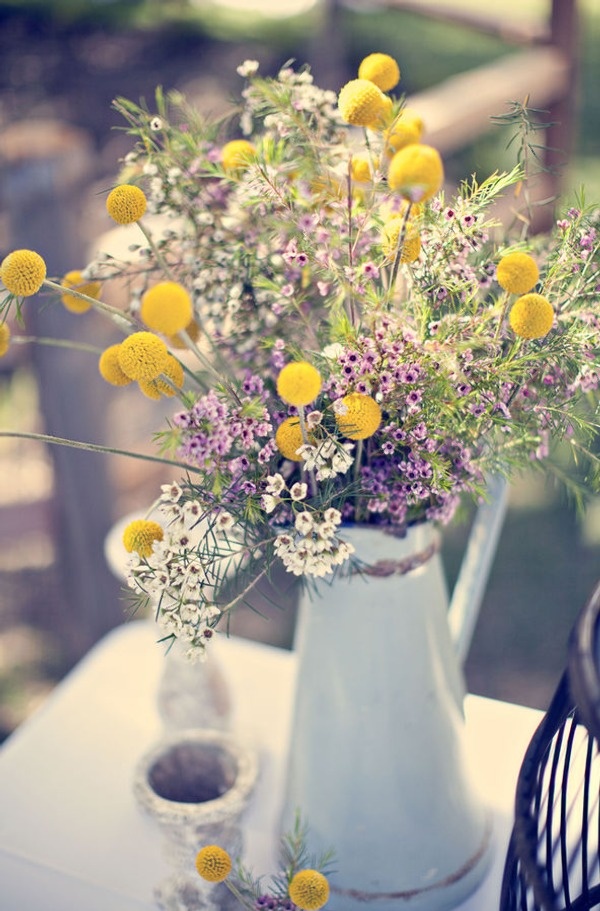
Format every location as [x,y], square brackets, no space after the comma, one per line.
[553,859]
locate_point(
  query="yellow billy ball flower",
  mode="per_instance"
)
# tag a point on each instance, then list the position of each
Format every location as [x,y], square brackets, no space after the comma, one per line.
[360,170]
[416,172]
[237,154]
[213,863]
[362,104]
[140,535]
[531,316]
[361,416]
[22,272]
[406,130]
[299,383]
[517,273]
[126,204]
[380,69]
[192,329]
[110,369]
[4,338]
[411,246]
[153,389]
[166,308]
[75,280]
[288,439]
[309,890]
[143,356]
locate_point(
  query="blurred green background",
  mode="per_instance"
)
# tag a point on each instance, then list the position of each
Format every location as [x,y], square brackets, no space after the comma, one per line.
[67,59]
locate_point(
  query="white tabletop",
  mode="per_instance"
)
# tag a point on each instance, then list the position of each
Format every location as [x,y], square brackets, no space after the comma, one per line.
[71,834]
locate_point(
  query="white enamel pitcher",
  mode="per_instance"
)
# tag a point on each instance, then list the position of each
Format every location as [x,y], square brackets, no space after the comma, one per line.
[377,768]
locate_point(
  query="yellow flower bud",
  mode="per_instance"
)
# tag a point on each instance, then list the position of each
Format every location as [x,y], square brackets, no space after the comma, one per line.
[213,863]
[359,417]
[140,535]
[411,245]
[166,308]
[143,356]
[517,273]
[362,104]
[22,272]
[416,172]
[126,204]
[237,154]
[75,280]
[531,316]
[360,170]
[380,69]
[406,130]
[309,890]
[110,369]
[288,439]
[299,383]
[173,371]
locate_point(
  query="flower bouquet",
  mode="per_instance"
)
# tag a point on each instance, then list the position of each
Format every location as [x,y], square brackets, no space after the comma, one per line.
[346,343]
[351,346]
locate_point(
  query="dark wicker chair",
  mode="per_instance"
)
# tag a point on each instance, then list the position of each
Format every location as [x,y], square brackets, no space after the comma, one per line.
[553,860]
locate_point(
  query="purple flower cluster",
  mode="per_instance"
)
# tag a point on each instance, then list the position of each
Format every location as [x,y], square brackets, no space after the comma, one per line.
[455,268]
[274,903]
[414,464]
[219,435]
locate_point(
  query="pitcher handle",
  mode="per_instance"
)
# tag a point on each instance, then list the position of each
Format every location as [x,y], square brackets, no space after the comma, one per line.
[476,565]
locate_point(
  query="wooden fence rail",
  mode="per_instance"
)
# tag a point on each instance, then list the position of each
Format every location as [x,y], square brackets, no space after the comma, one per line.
[542,68]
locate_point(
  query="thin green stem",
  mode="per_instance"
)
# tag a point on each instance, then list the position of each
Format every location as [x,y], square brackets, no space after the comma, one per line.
[208,366]
[54,343]
[159,256]
[151,508]
[113,312]
[194,376]
[369,149]
[94,447]
[505,299]
[357,465]
[228,607]
[351,312]
[213,345]
[250,905]
[177,392]
[398,255]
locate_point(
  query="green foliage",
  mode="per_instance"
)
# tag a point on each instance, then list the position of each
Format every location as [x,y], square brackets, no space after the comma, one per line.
[294,855]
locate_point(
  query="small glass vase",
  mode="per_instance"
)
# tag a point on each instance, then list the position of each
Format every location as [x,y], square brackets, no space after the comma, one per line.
[192,694]
[196,786]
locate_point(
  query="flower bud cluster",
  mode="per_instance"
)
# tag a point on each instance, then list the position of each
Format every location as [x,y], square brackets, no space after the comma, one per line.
[313,547]
[178,574]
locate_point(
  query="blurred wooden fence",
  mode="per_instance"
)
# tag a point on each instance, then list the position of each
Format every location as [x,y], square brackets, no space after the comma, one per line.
[542,68]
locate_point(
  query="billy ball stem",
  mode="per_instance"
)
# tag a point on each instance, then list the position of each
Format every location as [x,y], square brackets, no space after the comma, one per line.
[117,315]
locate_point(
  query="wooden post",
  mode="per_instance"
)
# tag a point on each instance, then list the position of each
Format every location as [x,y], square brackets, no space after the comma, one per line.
[564,33]
[328,57]
[43,169]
